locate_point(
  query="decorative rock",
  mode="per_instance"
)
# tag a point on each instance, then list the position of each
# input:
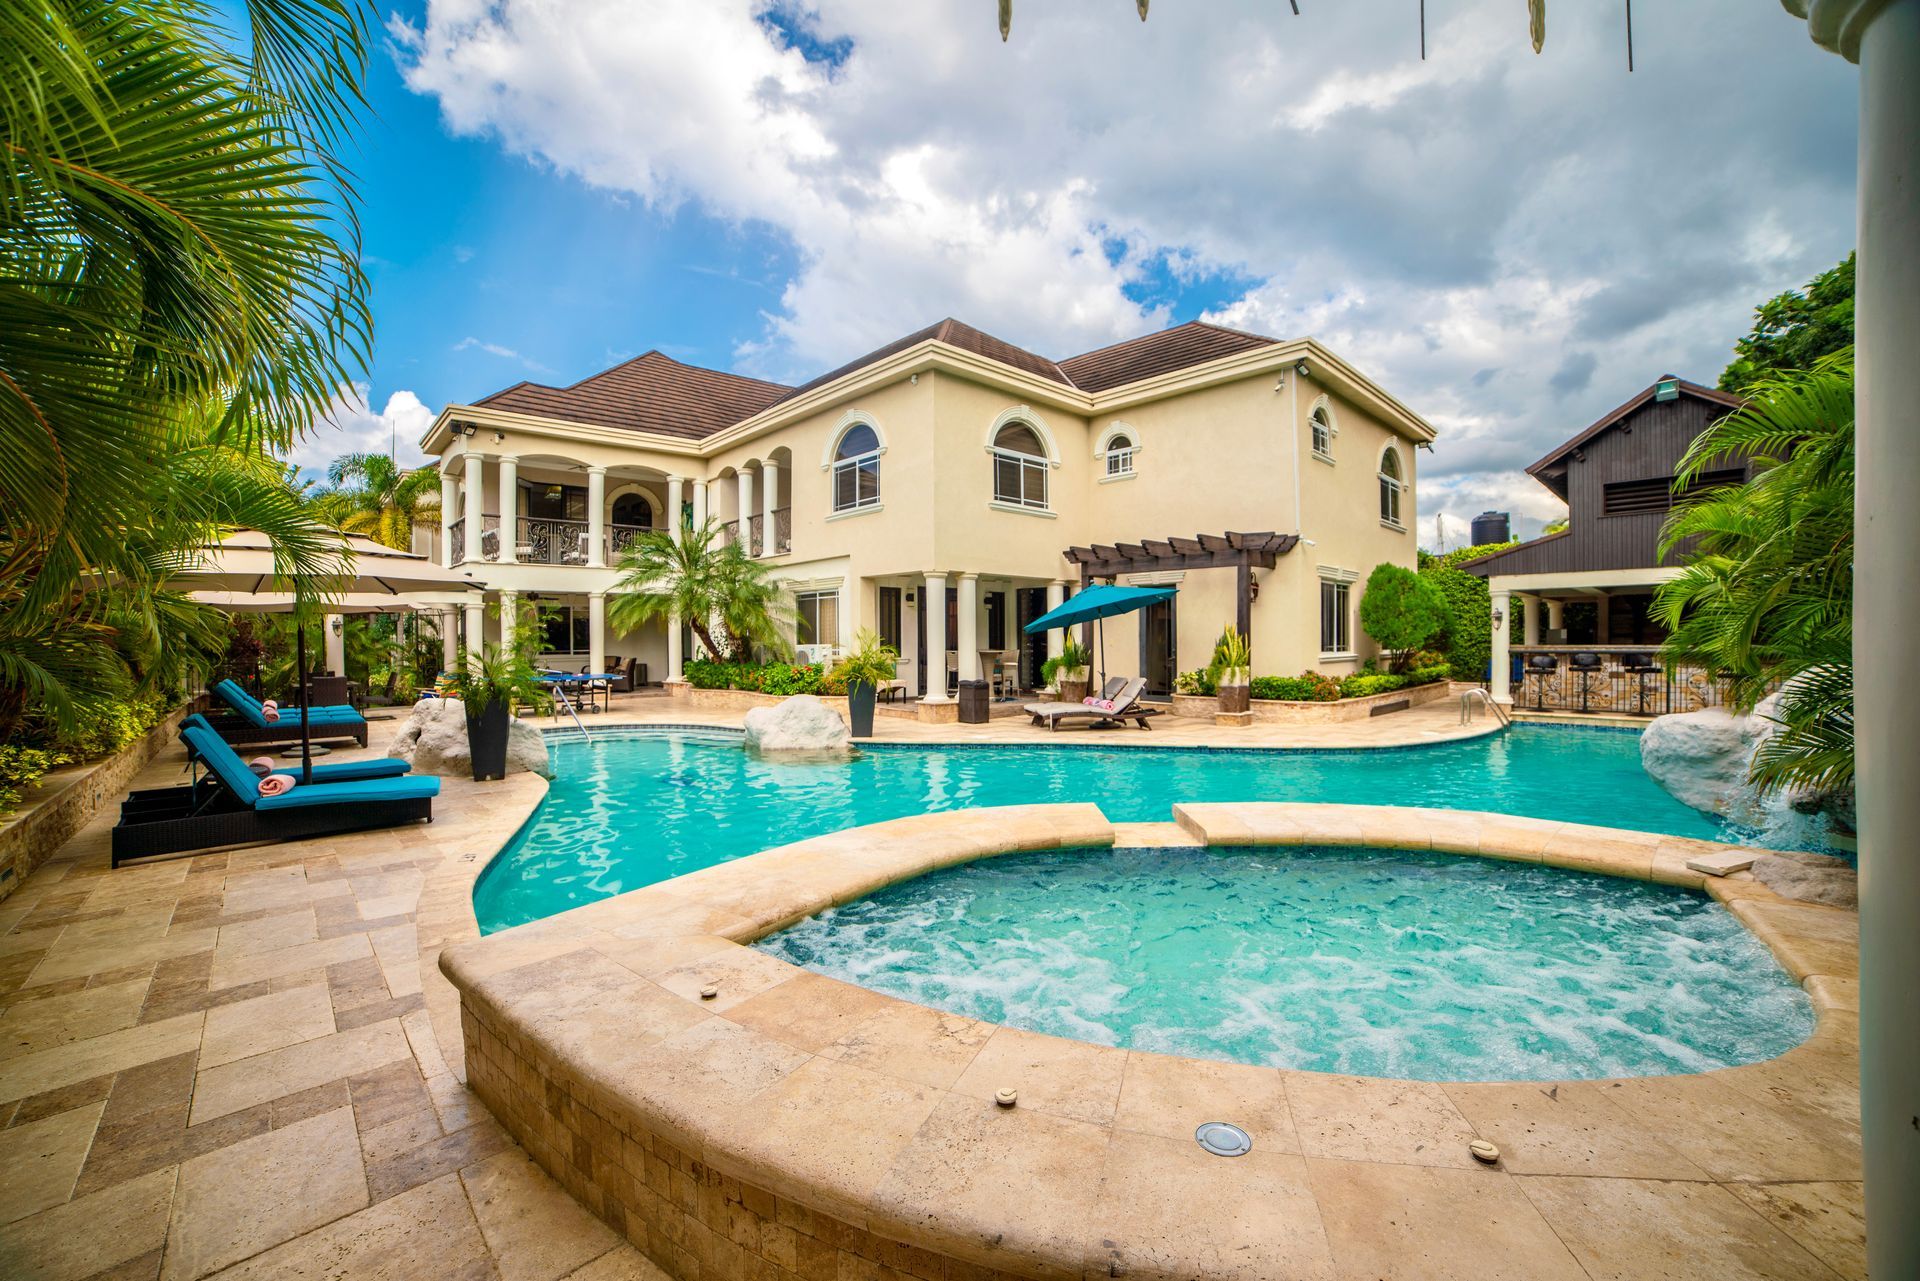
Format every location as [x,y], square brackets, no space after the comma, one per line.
[1811,878]
[434,741]
[1702,757]
[1484,1152]
[1006,1098]
[800,724]
[709,992]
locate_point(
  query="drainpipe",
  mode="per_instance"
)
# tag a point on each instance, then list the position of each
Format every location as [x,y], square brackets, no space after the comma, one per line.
[1883,36]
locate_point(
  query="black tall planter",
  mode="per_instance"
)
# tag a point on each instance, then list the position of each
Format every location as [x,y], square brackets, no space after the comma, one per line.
[487,742]
[860,708]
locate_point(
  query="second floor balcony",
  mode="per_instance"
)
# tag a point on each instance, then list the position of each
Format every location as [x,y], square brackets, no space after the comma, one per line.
[782,533]
[540,541]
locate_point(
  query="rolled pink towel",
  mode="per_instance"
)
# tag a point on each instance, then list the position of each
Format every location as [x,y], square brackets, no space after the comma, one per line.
[261,765]
[1104,704]
[270,714]
[1088,701]
[272,702]
[276,785]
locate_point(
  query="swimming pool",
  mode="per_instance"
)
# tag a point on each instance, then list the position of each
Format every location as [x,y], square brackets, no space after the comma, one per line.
[1369,962]
[633,807]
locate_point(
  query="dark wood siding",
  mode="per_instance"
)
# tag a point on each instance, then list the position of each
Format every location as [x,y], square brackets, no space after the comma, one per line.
[1645,445]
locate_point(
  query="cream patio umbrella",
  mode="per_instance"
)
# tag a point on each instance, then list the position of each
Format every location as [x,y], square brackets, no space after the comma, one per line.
[371,578]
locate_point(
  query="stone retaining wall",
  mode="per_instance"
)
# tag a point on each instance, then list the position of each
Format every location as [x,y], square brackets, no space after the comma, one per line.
[66,801]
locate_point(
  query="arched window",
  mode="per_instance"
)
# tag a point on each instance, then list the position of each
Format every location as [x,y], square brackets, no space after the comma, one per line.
[1322,432]
[1119,455]
[633,510]
[1390,486]
[1019,467]
[856,469]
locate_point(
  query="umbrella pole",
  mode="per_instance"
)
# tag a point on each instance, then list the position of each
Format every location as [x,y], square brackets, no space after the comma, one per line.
[300,679]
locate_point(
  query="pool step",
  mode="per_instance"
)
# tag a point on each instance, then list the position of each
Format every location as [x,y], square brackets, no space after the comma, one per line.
[1723,863]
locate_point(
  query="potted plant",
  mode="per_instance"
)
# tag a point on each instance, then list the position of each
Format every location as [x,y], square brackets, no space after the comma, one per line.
[871,664]
[489,684]
[1233,668]
[1068,671]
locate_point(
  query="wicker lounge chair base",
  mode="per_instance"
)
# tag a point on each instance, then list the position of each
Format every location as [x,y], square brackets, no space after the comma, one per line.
[163,821]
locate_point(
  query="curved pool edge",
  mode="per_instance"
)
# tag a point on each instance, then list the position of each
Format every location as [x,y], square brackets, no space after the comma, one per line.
[788,1101]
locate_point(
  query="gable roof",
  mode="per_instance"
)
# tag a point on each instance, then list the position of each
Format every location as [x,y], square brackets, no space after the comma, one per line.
[1614,417]
[651,393]
[954,333]
[1127,362]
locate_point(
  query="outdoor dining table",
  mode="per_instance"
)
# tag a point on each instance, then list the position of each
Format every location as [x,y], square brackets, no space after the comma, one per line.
[583,687]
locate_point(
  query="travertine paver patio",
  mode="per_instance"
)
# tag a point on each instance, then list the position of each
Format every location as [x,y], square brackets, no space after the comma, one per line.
[247,1065]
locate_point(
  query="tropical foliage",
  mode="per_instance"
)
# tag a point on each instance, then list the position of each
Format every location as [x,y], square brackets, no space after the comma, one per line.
[180,296]
[712,584]
[1401,611]
[371,494]
[1794,329]
[871,662]
[1765,599]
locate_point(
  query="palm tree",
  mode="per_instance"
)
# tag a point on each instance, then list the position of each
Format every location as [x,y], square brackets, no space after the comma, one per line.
[182,295]
[373,495]
[705,581]
[1766,596]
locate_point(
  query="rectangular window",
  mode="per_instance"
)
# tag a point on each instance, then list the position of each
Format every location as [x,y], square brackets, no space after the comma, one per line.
[1020,479]
[890,618]
[553,502]
[818,618]
[563,629]
[1654,495]
[1322,439]
[1336,636]
[1120,462]
[856,483]
[1389,500]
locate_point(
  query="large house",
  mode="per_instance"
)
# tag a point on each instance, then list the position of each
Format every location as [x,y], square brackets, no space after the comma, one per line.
[1265,478]
[1588,589]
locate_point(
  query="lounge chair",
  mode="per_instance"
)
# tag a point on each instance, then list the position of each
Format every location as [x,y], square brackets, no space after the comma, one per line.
[1122,693]
[227,808]
[333,772]
[249,723]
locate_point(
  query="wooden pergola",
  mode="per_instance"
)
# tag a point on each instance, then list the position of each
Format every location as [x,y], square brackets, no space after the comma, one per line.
[1242,552]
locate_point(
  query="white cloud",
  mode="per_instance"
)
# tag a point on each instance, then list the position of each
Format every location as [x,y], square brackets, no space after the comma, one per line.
[351,426]
[1510,243]
[470,343]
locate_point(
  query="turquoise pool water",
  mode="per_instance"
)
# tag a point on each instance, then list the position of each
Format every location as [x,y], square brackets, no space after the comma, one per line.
[631,808]
[1364,961]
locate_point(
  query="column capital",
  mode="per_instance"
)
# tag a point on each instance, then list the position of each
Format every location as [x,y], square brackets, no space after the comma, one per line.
[598,593]
[931,574]
[967,576]
[507,458]
[596,471]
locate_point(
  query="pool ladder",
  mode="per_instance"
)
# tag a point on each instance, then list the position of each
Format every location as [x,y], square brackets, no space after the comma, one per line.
[1498,712]
[562,703]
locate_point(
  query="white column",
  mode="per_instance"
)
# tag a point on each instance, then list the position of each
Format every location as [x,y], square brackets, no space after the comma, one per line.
[1056,597]
[475,483]
[476,627]
[746,512]
[676,658]
[968,641]
[1501,616]
[449,637]
[449,512]
[597,517]
[1530,604]
[509,509]
[1883,36]
[769,492]
[509,619]
[699,503]
[676,500]
[1556,615]
[334,643]
[596,630]
[933,603]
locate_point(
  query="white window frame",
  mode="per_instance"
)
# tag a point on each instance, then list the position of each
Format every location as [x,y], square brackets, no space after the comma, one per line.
[1029,465]
[1322,414]
[833,465]
[854,464]
[816,595]
[1337,583]
[1392,490]
[1121,463]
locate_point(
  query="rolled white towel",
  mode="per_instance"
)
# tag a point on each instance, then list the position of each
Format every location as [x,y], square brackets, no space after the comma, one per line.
[276,785]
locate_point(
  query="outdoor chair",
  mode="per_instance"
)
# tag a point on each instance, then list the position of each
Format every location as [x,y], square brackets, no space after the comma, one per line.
[1125,706]
[1637,666]
[226,807]
[1540,667]
[1586,664]
[249,723]
[333,772]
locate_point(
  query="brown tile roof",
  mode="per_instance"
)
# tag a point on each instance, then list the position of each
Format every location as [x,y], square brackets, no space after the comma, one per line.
[650,393]
[1170,349]
[956,334]
[658,394]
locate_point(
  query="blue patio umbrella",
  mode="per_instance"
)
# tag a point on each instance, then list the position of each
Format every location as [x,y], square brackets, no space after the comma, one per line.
[1099,602]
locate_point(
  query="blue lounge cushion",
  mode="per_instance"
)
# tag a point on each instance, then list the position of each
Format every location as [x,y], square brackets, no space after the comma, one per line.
[412,787]
[255,712]
[332,772]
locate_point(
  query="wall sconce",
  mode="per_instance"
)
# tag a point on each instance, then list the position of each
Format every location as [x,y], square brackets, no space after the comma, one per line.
[1253,589]
[1499,617]
[1301,369]
[499,438]
[465,429]
[339,625]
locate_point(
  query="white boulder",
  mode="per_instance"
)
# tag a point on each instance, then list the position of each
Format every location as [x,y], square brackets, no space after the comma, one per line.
[799,724]
[434,741]
[1702,758]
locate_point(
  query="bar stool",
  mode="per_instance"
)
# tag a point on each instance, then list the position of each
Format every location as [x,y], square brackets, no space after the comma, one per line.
[1541,666]
[1586,663]
[1637,666]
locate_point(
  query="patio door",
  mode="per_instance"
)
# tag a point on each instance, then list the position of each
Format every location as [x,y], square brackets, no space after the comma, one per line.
[1031,603]
[1159,663]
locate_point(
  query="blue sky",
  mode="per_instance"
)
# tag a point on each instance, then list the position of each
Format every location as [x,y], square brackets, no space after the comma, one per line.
[1512,244]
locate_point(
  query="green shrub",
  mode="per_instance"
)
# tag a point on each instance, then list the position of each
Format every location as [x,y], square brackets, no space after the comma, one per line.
[1364,684]
[1202,683]
[106,725]
[1468,636]
[1429,673]
[1307,687]
[1401,611]
[705,673]
[21,768]
[786,679]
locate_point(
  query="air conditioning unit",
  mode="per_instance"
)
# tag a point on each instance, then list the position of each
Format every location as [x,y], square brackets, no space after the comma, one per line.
[819,655]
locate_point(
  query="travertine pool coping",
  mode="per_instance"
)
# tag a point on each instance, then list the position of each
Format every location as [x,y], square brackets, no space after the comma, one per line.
[734,1115]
